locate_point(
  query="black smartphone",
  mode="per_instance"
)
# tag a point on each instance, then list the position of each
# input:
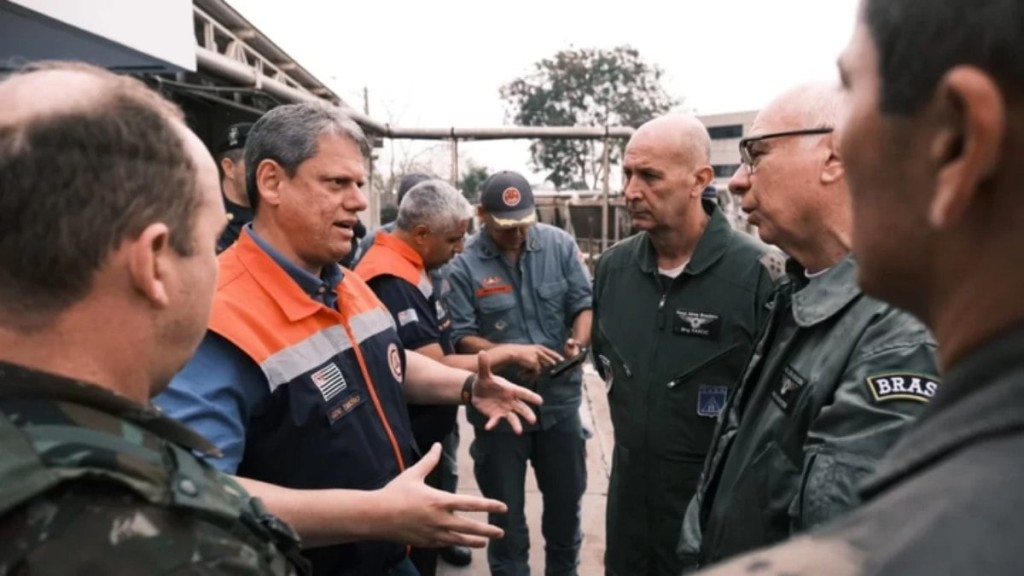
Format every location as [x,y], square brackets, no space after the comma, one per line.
[569,363]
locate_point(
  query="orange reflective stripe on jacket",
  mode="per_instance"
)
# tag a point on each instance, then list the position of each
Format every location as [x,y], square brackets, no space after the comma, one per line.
[391,256]
[263,311]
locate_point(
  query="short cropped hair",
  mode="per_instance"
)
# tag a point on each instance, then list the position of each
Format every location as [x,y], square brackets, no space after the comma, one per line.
[78,180]
[288,135]
[435,204]
[918,41]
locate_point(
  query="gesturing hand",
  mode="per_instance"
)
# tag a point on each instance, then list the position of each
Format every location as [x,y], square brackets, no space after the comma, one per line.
[498,398]
[426,517]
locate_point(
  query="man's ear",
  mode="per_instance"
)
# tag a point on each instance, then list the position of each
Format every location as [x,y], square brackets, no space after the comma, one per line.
[420,233]
[833,171]
[269,177]
[148,263]
[227,166]
[704,175]
[967,147]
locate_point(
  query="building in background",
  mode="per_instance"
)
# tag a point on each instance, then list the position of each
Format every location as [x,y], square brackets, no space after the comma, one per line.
[725,131]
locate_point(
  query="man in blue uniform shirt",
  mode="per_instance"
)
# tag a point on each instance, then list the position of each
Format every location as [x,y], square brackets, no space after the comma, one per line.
[522,282]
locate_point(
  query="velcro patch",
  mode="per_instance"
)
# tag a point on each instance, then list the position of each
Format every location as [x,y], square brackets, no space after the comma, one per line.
[491,290]
[347,405]
[711,400]
[775,263]
[902,386]
[700,324]
[407,316]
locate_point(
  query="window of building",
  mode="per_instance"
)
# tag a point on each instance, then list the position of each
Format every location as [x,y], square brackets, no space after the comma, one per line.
[725,170]
[726,132]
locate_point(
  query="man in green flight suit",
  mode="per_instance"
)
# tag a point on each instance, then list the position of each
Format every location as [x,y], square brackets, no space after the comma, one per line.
[836,376]
[676,310]
[111,213]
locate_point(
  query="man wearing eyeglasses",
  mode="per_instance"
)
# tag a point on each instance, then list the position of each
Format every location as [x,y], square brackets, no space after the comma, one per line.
[835,377]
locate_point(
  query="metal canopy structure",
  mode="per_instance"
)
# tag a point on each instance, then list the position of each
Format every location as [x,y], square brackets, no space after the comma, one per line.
[238,72]
[230,47]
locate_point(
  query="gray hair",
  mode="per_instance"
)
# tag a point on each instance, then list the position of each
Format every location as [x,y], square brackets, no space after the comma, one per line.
[288,135]
[435,204]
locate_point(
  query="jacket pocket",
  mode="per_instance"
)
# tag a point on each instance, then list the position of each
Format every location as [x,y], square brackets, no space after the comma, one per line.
[551,303]
[496,315]
[828,487]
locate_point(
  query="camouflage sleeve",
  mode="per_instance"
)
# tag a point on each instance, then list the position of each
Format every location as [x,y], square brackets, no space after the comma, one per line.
[882,391]
[97,528]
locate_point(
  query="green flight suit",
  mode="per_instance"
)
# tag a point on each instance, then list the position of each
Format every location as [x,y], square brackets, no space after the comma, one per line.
[835,379]
[670,351]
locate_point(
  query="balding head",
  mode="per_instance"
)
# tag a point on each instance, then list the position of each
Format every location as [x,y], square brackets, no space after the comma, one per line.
[666,168]
[87,159]
[812,105]
[681,134]
[59,88]
[793,185]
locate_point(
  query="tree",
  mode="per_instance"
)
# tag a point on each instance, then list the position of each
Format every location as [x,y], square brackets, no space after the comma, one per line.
[472,181]
[585,87]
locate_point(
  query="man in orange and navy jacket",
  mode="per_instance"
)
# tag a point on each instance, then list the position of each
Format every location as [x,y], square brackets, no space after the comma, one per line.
[431,225]
[301,380]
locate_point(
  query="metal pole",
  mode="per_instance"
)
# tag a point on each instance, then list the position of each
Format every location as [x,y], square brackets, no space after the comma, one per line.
[455,161]
[372,195]
[604,196]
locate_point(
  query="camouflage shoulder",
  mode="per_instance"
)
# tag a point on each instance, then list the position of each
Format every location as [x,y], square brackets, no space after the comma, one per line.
[87,527]
[773,261]
[769,257]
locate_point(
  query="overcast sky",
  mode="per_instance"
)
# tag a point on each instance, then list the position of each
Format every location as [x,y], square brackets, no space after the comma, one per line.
[440,63]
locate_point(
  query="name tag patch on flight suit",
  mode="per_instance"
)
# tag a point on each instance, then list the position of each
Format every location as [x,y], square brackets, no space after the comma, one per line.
[711,400]
[347,405]
[700,324]
[902,386]
[788,389]
[329,381]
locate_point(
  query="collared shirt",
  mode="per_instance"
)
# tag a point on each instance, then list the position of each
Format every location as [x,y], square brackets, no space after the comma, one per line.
[946,499]
[834,380]
[397,275]
[241,391]
[532,301]
[319,288]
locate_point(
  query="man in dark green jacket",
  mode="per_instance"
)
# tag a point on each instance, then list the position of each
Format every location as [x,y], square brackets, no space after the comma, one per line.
[677,308]
[835,377]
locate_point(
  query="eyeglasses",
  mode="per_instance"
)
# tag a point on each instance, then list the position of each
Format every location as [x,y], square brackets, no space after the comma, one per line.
[747,153]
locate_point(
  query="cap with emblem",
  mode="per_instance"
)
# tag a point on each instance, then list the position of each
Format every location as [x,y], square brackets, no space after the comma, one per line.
[508,198]
[234,137]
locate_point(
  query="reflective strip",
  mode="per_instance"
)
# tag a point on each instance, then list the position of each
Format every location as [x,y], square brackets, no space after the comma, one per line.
[297,359]
[370,323]
[426,286]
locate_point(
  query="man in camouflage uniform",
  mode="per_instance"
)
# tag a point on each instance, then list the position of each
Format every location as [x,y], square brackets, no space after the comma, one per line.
[836,376]
[109,218]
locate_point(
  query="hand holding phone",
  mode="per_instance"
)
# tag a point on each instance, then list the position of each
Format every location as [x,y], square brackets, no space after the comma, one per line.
[569,363]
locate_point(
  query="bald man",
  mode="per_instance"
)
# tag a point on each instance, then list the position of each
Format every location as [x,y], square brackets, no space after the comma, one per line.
[837,376]
[677,307]
[111,212]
